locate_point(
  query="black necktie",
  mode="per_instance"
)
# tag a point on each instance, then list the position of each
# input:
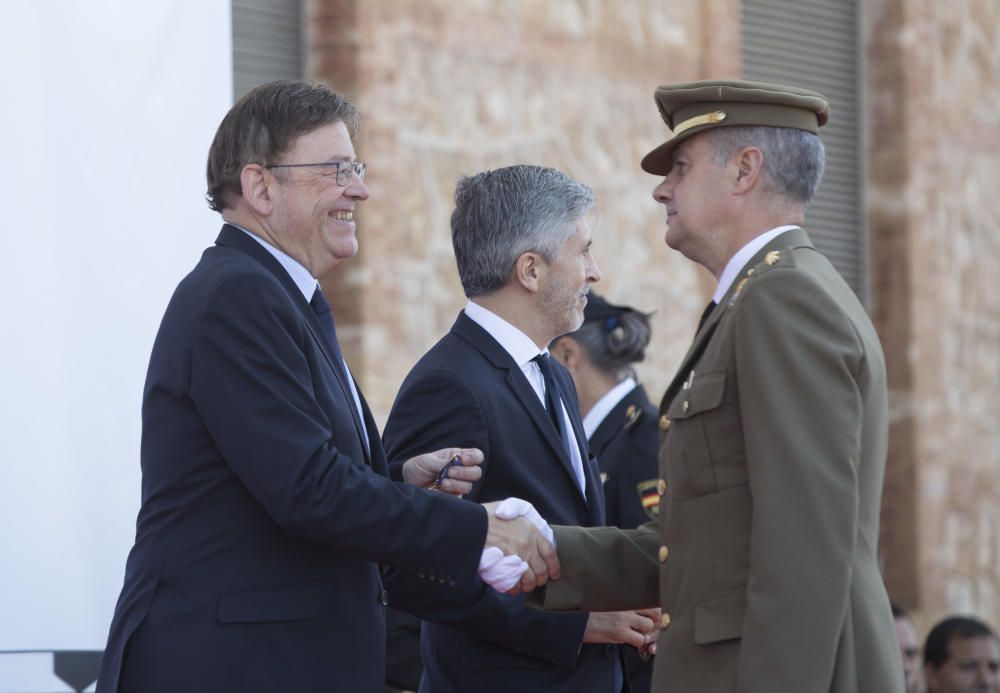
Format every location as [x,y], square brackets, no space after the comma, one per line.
[321,307]
[705,313]
[554,400]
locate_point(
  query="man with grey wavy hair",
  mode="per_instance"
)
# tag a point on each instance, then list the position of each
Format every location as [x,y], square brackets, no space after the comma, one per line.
[522,242]
[503,213]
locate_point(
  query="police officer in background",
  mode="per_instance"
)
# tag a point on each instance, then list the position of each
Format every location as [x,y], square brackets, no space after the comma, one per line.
[619,420]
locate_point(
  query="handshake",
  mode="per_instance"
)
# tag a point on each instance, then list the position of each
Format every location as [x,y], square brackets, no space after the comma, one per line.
[519,554]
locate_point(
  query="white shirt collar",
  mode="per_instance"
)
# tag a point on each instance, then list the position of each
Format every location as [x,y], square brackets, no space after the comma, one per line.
[742,257]
[605,404]
[519,345]
[300,275]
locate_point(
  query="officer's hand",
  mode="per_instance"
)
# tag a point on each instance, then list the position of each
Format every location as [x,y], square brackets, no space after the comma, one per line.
[635,628]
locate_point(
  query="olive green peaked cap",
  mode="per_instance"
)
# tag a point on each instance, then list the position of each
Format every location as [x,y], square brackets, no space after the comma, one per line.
[692,107]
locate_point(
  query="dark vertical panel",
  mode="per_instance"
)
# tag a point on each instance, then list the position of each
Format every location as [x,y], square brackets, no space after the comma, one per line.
[816,44]
[267,42]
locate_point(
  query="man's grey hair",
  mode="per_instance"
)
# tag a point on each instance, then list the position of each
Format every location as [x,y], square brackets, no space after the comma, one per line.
[503,213]
[793,159]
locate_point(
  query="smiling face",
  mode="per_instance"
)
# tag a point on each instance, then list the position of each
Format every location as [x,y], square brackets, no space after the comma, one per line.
[312,218]
[696,196]
[563,294]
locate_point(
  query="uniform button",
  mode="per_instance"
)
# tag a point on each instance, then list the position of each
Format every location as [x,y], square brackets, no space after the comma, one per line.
[687,405]
[384,598]
[665,423]
[441,579]
[664,552]
[664,621]
[661,487]
[451,581]
[421,573]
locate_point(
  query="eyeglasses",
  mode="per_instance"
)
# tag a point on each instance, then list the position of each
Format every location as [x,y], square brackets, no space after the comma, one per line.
[342,170]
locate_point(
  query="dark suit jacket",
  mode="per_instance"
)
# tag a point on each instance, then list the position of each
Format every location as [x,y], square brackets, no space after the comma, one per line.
[468,390]
[263,518]
[777,427]
[626,444]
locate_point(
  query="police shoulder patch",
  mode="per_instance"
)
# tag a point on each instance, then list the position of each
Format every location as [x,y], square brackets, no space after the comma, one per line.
[649,496]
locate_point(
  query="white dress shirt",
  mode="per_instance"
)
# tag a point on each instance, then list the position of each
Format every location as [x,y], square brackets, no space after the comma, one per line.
[522,349]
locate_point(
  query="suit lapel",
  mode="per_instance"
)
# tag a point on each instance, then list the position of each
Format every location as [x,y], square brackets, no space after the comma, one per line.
[232,237]
[794,238]
[470,331]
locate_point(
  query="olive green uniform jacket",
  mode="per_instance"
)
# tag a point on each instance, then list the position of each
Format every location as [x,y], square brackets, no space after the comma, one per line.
[764,559]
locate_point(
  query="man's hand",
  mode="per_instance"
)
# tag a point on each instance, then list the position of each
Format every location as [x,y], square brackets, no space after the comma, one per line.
[635,628]
[425,470]
[519,537]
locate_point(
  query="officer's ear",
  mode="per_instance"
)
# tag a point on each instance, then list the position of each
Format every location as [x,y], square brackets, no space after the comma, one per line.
[566,350]
[749,163]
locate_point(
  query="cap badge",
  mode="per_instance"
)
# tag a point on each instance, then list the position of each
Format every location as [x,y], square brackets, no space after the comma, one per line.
[706,119]
[772,257]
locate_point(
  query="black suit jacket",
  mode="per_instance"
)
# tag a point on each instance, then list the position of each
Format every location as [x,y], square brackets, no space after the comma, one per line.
[467,389]
[627,445]
[263,517]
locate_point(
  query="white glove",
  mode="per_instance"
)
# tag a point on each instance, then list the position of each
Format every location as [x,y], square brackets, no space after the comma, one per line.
[500,572]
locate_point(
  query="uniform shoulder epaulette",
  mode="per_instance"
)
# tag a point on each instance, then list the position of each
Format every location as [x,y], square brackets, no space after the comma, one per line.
[775,258]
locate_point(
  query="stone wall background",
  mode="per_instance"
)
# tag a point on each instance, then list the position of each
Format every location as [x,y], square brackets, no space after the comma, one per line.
[450,88]
[934,178]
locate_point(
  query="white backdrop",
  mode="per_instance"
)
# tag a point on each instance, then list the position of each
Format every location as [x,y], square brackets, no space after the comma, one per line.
[107,110]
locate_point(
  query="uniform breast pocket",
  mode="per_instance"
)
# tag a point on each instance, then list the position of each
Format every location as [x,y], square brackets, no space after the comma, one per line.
[704,443]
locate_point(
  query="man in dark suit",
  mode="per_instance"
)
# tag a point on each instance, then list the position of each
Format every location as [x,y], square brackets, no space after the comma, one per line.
[522,242]
[765,558]
[266,506]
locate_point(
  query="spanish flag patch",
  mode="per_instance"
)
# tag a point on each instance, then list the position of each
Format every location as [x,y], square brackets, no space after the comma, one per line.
[649,496]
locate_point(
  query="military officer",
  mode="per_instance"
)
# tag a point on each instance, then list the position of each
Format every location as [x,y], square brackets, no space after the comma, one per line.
[765,558]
